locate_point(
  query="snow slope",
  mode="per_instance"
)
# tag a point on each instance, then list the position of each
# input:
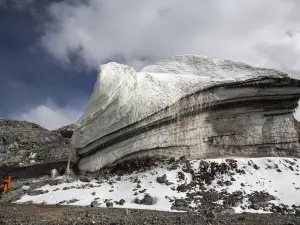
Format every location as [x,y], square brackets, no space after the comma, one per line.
[277,176]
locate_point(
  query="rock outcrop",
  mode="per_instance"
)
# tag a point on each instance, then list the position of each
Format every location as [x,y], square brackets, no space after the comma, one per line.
[190,106]
[66,131]
[27,149]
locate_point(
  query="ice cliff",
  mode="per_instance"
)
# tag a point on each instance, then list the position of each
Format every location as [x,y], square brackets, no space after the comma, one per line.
[191,106]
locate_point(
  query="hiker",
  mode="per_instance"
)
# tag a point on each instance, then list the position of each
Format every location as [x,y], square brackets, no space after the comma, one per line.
[4,183]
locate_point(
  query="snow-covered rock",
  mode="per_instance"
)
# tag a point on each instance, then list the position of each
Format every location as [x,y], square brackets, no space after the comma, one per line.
[187,105]
[226,185]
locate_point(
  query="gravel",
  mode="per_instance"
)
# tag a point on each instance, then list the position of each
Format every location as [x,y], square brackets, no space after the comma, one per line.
[11,214]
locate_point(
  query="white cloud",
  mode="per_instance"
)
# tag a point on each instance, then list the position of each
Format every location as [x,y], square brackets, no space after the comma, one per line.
[258,32]
[50,115]
[138,33]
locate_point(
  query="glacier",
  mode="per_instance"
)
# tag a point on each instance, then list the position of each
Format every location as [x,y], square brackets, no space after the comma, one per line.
[187,105]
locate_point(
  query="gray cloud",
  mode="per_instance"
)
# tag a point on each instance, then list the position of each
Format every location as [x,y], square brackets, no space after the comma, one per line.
[258,32]
[17,4]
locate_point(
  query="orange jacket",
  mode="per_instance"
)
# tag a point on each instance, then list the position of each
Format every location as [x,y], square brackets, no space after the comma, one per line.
[5,181]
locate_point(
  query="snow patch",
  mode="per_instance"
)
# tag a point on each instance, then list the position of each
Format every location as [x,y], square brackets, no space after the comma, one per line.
[277,176]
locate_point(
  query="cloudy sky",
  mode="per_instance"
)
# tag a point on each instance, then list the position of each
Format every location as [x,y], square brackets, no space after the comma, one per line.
[50,49]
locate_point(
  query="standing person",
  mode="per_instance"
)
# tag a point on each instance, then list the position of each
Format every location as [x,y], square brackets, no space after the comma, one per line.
[4,183]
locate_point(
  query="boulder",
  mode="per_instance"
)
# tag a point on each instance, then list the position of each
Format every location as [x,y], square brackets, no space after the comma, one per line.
[148,200]
[94,204]
[67,131]
[190,106]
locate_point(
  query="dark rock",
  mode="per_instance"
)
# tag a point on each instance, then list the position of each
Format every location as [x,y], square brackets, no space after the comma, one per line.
[61,170]
[37,192]
[211,214]
[73,200]
[137,201]
[109,204]
[182,188]
[256,167]
[183,159]
[255,206]
[85,179]
[181,175]
[181,203]
[228,183]
[220,183]
[162,179]
[142,191]
[67,131]
[121,202]
[148,200]
[172,160]
[241,218]
[52,182]
[94,204]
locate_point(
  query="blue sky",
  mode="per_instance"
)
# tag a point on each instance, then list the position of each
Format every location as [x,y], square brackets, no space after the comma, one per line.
[50,49]
[31,78]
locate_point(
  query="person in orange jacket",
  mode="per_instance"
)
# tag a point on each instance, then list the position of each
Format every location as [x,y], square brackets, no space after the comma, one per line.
[4,183]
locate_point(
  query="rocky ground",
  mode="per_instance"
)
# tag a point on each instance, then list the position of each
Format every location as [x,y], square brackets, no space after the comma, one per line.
[207,192]
[29,150]
[12,214]
[199,192]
